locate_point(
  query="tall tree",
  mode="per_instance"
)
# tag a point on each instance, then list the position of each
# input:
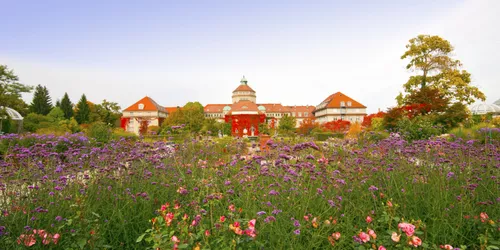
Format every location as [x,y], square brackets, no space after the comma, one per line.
[109,112]
[11,90]
[430,57]
[287,123]
[42,103]
[193,116]
[82,114]
[67,106]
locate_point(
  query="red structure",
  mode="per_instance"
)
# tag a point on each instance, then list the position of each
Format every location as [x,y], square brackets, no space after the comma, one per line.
[245,118]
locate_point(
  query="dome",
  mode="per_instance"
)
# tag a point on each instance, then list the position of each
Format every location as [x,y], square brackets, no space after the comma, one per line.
[226,108]
[497,102]
[13,114]
[484,108]
[262,108]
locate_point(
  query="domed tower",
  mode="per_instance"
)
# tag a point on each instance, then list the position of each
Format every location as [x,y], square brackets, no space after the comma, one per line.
[244,92]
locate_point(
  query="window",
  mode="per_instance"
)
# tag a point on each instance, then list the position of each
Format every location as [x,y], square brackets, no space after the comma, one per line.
[306,114]
[293,114]
[349,104]
[141,106]
[300,114]
[342,104]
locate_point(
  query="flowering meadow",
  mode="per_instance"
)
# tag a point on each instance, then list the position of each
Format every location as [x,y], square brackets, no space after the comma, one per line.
[69,192]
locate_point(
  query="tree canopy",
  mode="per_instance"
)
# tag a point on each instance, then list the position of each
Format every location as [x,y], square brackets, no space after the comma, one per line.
[431,60]
[82,114]
[42,103]
[67,106]
[11,90]
[287,123]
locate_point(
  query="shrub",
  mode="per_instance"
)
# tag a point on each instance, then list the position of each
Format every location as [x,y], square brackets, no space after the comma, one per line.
[99,131]
[323,136]
[120,133]
[419,128]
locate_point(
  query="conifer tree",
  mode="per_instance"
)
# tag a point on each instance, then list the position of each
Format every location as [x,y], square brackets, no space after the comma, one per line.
[82,114]
[42,103]
[67,106]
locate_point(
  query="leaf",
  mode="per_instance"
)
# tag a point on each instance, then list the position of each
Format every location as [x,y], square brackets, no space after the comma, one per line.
[139,239]
[492,247]
[81,243]
[98,216]
[396,219]
[183,246]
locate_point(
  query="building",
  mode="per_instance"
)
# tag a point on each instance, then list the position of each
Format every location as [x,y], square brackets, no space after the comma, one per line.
[339,106]
[245,113]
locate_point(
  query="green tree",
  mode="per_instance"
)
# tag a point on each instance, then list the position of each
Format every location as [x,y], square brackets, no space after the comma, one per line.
[33,121]
[287,123]
[42,103]
[11,90]
[67,106]
[82,114]
[56,114]
[194,116]
[430,57]
[109,112]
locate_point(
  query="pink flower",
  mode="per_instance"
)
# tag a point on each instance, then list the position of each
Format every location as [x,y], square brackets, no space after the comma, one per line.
[169,217]
[251,233]
[251,224]
[55,238]
[447,247]
[306,217]
[222,218]
[46,239]
[415,241]
[207,233]
[389,203]
[395,237]
[175,239]
[484,217]
[231,208]
[27,240]
[408,228]
[372,234]
[381,248]
[364,237]
[369,219]
[336,235]
[236,224]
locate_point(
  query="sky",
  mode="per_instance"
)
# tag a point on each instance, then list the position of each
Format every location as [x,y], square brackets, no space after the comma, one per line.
[291,52]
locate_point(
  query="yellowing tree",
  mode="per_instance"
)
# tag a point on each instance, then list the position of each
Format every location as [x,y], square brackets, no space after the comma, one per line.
[431,58]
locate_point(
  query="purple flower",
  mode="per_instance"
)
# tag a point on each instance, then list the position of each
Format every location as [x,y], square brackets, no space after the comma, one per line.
[297,232]
[372,188]
[261,213]
[273,192]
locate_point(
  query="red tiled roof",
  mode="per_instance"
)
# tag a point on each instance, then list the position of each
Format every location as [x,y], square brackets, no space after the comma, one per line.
[244,87]
[244,106]
[335,99]
[302,109]
[149,105]
[274,108]
[214,108]
[170,110]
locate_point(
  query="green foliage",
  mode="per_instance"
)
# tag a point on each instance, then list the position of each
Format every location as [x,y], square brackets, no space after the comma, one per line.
[99,131]
[287,123]
[119,133]
[42,103]
[377,124]
[430,57]
[422,127]
[193,116]
[323,136]
[264,128]
[70,125]
[82,114]
[66,106]
[453,115]
[56,115]
[107,112]
[32,122]
[11,90]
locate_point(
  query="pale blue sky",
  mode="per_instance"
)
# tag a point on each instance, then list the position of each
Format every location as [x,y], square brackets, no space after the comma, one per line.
[292,52]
